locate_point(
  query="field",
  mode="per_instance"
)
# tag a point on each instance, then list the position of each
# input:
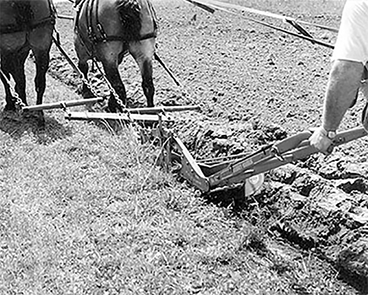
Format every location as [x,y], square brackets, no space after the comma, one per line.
[85,210]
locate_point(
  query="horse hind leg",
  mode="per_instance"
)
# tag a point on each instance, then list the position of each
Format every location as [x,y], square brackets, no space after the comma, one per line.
[86,90]
[42,64]
[17,71]
[147,82]
[112,74]
[110,61]
[143,52]
[42,59]
[83,57]
[5,78]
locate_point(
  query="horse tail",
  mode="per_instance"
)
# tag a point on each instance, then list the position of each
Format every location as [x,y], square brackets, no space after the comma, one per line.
[129,11]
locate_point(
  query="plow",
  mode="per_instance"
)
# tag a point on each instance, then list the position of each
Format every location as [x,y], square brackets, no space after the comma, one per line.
[245,171]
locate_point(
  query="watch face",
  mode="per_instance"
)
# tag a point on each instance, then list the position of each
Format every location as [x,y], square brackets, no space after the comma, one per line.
[331,134]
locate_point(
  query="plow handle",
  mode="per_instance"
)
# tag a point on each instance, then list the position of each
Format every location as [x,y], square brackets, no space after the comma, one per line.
[349,135]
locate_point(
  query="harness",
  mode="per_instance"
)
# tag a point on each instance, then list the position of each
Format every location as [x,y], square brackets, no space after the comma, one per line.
[99,35]
[21,27]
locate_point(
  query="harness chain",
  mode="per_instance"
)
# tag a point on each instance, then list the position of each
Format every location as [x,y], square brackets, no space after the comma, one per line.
[18,101]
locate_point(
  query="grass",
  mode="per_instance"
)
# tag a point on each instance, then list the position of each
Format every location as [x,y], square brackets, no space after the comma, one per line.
[90,212]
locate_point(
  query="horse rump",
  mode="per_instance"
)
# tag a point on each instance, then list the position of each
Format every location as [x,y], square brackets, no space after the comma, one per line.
[23,15]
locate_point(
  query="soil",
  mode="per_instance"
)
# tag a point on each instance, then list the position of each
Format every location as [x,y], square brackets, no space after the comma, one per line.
[254,86]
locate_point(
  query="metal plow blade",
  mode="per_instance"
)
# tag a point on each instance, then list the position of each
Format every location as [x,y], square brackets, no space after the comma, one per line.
[253,184]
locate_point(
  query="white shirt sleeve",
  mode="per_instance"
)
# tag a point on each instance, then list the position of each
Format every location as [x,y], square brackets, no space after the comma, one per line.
[352,39]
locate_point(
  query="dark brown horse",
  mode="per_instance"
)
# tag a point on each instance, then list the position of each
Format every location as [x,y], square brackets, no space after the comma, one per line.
[25,25]
[106,30]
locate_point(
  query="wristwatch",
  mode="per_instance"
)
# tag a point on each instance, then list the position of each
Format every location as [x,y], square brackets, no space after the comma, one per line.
[331,134]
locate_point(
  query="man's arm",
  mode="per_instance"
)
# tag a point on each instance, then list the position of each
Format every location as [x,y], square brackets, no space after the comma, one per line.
[344,82]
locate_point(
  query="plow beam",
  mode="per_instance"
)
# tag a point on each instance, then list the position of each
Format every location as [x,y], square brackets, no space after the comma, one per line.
[62,104]
[125,117]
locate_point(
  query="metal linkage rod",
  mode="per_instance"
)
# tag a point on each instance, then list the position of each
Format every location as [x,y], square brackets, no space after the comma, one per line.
[63,104]
[124,117]
[164,109]
[160,61]
[62,16]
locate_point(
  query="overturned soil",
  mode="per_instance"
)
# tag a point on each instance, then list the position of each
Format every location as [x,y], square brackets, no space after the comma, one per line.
[254,86]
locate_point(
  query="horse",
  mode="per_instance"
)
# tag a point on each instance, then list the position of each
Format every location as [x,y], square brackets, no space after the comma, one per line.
[106,30]
[25,25]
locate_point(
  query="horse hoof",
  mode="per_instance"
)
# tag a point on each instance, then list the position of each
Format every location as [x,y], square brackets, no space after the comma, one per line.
[9,107]
[27,114]
[88,94]
[114,107]
[112,110]
[365,117]
[41,122]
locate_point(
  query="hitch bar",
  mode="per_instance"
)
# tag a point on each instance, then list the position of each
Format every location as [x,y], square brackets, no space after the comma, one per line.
[63,104]
[124,117]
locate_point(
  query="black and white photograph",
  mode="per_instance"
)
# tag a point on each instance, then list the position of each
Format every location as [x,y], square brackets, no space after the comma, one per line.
[182,147]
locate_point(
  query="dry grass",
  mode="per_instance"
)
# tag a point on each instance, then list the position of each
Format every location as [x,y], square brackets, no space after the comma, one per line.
[82,214]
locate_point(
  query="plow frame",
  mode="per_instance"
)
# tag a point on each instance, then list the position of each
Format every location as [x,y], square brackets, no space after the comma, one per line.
[209,175]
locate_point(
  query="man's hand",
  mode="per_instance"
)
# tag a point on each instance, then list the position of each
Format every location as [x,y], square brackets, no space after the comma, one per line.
[320,141]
